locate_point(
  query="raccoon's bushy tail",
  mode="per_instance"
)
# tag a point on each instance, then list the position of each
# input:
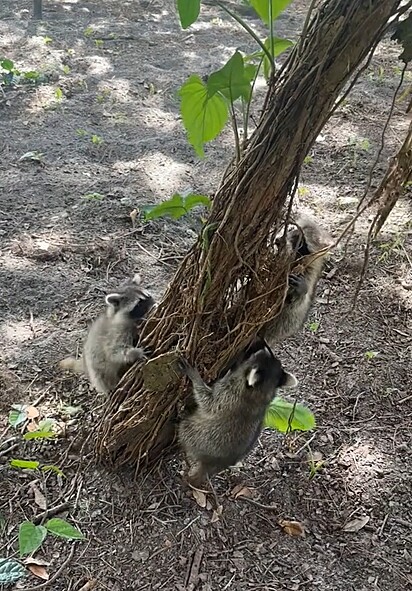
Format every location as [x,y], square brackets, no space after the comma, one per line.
[72,364]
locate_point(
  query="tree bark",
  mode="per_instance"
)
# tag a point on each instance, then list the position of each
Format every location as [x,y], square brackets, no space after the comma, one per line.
[230,283]
[393,184]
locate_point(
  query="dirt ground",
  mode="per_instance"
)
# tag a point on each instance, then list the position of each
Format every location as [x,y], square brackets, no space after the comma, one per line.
[111,141]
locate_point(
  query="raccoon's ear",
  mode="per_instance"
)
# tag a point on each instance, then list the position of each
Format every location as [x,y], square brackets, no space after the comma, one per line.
[252,377]
[113,299]
[289,380]
[137,279]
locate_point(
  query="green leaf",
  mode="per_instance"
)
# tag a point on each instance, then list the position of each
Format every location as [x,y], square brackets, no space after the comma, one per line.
[11,571]
[262,8]
[279,46]
[58,93]
[203,116]
[175,207]
[188,12]
[279,412]
[24,464]
[7,64]
[52,468]
[231,80]
[39,435]
[32,75]
[30,537]
[17,415]
[62,529]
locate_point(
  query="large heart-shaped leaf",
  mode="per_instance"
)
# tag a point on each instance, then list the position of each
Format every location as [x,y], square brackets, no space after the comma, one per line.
[285,416]
[262,8]
[30,537]
[188,12]
[175,207]
[203,116]
[231,80]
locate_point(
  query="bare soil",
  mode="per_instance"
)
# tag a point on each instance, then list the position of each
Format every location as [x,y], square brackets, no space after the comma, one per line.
[67,237]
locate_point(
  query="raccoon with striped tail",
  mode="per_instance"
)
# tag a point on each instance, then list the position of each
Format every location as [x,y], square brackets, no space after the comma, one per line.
[227,419]
[109,349]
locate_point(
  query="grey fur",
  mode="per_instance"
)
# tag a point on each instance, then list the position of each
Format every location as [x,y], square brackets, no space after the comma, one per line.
[302,288]
[228,417]
[110,348]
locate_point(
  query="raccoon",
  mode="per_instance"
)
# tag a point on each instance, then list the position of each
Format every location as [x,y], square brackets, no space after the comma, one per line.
[110,348]
[304,240]
[228,417]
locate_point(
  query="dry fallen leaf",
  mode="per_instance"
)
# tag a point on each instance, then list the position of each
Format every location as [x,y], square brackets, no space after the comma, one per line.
[216,514]
[39,571]
[32,412]
[32,426]
[292,528]
[133,215]
[241,491]
[200,497]
[39,497]
[356,524]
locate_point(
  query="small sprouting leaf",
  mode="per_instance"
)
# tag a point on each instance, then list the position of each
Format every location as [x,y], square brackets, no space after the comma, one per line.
[371,355]
[203,116]
[403,34]
[32,75]
[39,435]
[24,464]
[88,31]
[175,207]
[58,94]
[262,8]
[17,415]
[230,80]
[11,571]
[285,416]
[47,40]
[314,326]
[30,537]
[7,64]
[52,468]
[62,529]
[356,524]
[188,12]
[93,197]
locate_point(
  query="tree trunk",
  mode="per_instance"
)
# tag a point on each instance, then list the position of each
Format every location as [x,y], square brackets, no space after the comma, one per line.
[230,283]
[393,184]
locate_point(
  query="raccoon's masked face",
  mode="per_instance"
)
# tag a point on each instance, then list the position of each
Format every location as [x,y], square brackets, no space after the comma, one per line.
[132,300]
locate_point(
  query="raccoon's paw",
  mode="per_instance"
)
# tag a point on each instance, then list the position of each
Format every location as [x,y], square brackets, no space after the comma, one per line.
[133,355]
[184,366]
[298,284]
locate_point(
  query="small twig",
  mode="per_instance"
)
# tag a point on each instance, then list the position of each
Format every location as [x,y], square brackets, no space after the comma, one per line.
[382,527]
[9,449]
[89,585]
[401,521]
[257,504]
[31,323]
[56,574]
[305,445]
[52,511]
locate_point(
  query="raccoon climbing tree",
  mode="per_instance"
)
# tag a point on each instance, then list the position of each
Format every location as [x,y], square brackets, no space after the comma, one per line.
[230,283]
